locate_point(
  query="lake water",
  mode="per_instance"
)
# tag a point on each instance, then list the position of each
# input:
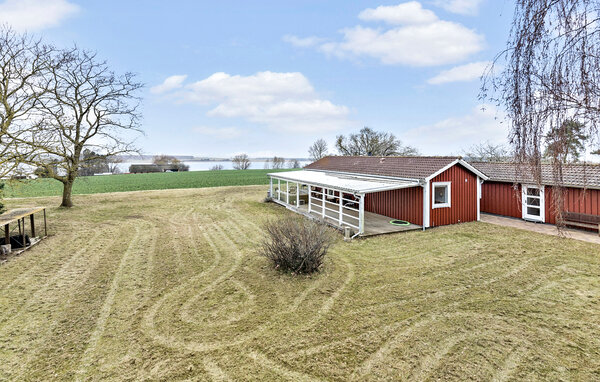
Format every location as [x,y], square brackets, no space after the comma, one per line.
[205,166]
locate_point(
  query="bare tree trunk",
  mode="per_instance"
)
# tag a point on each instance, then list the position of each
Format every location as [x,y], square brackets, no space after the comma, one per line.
[67,192]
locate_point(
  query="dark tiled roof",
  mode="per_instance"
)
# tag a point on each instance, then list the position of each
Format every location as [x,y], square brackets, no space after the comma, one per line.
[574,175]
[398,167]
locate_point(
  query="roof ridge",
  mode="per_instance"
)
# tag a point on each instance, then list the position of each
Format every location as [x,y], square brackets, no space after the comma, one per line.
[395,156]
[581,164]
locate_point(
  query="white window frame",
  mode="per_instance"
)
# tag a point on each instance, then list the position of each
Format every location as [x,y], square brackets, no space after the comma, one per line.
[448,186]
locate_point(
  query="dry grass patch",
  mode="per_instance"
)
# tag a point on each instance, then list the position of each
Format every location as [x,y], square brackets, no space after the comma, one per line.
[169,285]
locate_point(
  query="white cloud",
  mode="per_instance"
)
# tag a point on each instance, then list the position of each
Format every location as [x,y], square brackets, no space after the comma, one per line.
[452,135]
[302,42]
[406,13]
[462,7]
[34,15]
[281,101]
[463,73]
[223,133]
[417,38]
[170,83]
[438,43]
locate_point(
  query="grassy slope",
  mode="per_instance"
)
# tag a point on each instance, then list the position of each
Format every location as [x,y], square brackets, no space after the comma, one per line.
[139,182]
[185,295]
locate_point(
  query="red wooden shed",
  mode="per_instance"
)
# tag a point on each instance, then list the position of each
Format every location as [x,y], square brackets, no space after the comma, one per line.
[352,191]
[512,191]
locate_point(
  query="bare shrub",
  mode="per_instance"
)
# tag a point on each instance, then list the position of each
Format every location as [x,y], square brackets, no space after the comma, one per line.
[295,244]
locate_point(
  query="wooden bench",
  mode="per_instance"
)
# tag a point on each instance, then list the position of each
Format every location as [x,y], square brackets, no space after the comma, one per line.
[582,220]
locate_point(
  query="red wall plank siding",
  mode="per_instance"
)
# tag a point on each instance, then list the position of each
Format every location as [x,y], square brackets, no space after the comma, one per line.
[574,200]
[463,206]
[405,204]
[501,199]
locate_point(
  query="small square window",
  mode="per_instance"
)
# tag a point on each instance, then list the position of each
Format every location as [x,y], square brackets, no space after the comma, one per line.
[441,195]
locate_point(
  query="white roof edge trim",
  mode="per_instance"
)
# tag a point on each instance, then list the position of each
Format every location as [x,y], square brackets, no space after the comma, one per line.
[461,162]
[361,174]
[376,187]
[473,169]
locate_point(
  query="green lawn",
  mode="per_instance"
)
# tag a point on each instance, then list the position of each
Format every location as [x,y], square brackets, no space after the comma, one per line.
[169,285]
[139,182]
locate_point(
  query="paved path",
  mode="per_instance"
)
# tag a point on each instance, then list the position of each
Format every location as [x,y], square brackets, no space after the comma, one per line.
[547,229]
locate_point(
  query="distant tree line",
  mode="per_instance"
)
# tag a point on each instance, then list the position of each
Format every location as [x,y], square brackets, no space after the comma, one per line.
[242,162]
[160,163]
[279,163]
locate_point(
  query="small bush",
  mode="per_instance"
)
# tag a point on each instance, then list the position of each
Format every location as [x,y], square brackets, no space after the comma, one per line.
[295,244]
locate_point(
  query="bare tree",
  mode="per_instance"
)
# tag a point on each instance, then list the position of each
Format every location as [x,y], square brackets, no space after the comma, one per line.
[551,75]
[113,165]
[24,62]
[369,142]
[318,150]
[241,162]
[164,159]
[487,152]
[169,163]
[97,165]
[277,162]
[293,163]
[87,107]
[217,167]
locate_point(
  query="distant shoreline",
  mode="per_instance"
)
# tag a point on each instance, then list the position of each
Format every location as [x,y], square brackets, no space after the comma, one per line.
[183,158]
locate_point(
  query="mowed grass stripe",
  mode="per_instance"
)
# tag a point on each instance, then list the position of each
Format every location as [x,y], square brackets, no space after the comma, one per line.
[139,182]
[121,309]
[57,314]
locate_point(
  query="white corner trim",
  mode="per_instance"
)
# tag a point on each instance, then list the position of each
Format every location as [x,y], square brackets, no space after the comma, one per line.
[426,209]
[479,181]
[448,186]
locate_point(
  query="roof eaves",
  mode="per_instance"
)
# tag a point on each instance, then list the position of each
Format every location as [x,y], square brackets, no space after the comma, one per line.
[473,169]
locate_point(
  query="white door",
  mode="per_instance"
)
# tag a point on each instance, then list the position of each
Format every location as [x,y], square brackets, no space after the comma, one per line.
[533,203]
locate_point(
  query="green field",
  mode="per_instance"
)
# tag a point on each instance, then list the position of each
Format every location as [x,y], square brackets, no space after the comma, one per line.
[139,182]
[169,286]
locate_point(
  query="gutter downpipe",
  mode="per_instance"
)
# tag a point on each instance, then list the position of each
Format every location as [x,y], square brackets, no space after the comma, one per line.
[426,198]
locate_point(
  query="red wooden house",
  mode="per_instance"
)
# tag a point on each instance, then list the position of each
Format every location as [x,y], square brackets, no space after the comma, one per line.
[365,193]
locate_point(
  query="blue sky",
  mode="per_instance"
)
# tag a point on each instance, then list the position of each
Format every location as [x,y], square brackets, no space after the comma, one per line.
[270,77]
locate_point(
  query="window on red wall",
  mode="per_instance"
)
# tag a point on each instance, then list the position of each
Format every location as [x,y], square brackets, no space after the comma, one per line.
[441,195]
